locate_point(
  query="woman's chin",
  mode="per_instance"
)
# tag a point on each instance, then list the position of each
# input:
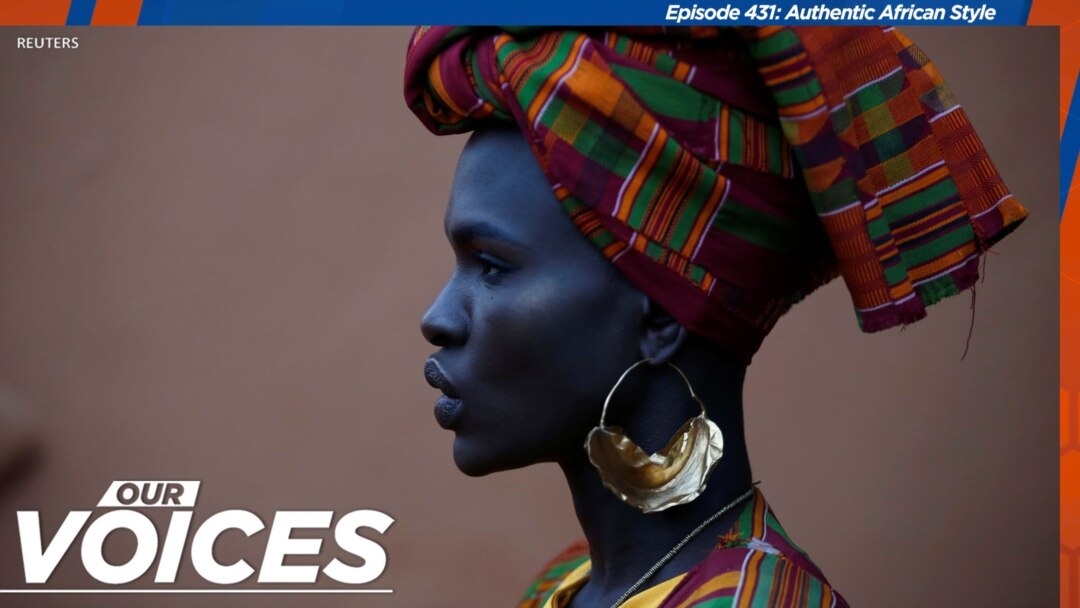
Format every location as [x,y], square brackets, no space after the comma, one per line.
[476,460]
[470,460]
[468,463]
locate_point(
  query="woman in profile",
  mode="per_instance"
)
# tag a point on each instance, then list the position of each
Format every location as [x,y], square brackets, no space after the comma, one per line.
[634,212]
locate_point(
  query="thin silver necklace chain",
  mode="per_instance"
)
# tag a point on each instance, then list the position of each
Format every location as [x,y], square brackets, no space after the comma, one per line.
[682,543]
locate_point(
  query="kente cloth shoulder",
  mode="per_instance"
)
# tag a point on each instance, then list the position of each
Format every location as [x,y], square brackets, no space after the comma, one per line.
[728,172]
[755,564]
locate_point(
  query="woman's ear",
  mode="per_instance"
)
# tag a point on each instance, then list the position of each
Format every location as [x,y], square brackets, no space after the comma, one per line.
[661,335]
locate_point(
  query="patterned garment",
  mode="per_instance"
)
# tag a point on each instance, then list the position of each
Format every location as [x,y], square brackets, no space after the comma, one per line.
[754,564]
[728,172]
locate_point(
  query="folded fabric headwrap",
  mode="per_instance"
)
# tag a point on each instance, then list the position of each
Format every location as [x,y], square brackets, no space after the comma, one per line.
[728,172]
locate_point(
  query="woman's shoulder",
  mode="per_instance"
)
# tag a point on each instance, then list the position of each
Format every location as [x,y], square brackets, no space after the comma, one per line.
[553,572]
[739,572]
[755,563]
[754,574]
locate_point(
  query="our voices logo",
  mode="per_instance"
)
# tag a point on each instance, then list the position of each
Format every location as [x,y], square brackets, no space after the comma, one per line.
[119,509]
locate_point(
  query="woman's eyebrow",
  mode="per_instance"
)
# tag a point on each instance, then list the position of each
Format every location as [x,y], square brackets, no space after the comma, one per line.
[470,231]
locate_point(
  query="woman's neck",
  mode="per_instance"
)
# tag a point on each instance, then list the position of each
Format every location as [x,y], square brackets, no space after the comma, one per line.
[624,542]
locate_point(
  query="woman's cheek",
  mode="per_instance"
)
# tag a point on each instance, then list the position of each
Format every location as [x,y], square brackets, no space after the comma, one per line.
[525,306]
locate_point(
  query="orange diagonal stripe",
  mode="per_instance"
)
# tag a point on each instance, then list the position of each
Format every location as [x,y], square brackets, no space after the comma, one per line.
[116,12]
[34,12]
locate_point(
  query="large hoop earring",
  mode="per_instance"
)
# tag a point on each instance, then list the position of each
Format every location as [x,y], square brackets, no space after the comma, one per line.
[674,475]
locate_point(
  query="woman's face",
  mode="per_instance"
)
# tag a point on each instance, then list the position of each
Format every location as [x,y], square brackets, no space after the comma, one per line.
[533,327]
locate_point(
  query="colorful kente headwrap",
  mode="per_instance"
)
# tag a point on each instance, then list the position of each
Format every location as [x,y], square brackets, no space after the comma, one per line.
[728,172]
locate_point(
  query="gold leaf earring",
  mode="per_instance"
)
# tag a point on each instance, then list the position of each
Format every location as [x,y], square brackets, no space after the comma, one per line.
[674,475]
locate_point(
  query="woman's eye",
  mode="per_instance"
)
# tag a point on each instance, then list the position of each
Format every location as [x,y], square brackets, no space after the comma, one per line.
[489,265]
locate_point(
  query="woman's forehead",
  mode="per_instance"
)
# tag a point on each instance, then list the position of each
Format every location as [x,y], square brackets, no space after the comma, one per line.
[499,187]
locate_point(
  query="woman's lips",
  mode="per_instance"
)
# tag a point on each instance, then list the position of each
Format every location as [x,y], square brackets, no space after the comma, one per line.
[448,408]
[447,411]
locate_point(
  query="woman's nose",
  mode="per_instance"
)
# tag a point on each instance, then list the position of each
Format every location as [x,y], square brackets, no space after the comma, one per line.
[445,323]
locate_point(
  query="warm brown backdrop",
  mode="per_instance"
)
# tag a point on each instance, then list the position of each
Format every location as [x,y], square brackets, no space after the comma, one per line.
[215,245]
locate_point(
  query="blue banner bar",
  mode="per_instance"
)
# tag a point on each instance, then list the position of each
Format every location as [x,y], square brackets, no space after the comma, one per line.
[577,12]
[1070,147]
[80,12]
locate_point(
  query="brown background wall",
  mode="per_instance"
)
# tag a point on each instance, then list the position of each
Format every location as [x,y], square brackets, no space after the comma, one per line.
[215,246]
